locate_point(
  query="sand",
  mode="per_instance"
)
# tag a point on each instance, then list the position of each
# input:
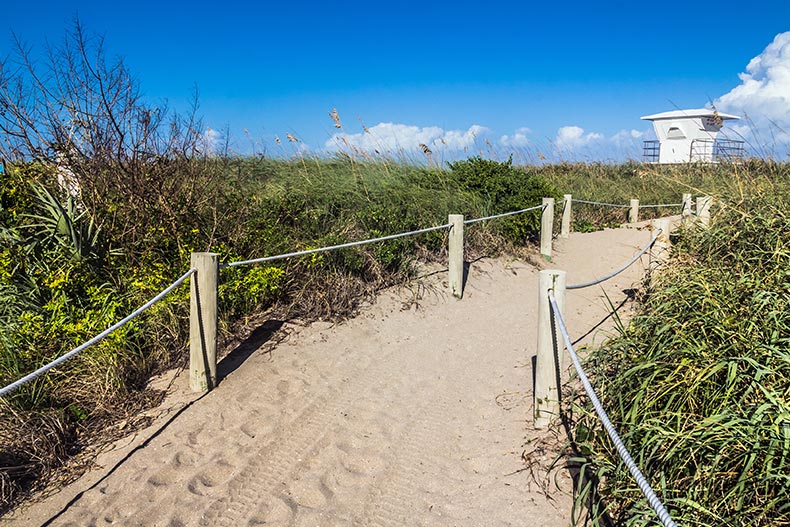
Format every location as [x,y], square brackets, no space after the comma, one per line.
[415,412]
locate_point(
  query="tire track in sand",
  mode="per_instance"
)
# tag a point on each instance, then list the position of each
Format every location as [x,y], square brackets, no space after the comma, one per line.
[270,466]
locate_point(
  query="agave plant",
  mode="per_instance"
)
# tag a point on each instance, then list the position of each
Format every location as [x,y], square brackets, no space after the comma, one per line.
[72,230]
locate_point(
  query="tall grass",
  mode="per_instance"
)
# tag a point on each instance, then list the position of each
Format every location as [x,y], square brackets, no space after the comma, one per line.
[698,383]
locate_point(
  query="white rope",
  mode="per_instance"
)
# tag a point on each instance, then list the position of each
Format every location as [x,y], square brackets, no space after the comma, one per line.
[333,247]
[658,205]
[644,486]
[621,269]
[667,205]
[467,222]
[602,204]
[98,338]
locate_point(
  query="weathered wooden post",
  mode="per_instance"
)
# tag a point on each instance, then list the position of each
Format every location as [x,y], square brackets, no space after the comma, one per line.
[203,322]
[548,363]
[703,210]
[633,213]
[660,249]
[455,254]
[546,227]
[566,216]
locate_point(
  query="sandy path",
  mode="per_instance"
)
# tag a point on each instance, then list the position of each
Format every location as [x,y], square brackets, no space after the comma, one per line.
[409,414]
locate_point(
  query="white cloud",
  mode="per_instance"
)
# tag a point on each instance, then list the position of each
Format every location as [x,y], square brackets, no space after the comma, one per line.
[764,92]
[573,137]
[519,138]
[627,137]
[395,137]
[212,141]
[458,140]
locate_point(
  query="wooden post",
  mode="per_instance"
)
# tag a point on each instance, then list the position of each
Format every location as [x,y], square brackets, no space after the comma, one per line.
[455,254]
[633,214]
[546,227]
[660,250]
[566,216]
[548,363]
[686,213]
[203,322]
[703,210]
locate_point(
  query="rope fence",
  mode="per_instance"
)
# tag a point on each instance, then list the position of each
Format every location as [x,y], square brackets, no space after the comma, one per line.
[702,208]
[619,269]
[98,338]
[204,273]
[601,204]
[203,300]
[497,216]
[203,303]
[644,486]
[335,247]
[548,363]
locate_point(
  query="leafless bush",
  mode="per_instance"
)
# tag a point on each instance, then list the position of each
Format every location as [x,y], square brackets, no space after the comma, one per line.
[131,162]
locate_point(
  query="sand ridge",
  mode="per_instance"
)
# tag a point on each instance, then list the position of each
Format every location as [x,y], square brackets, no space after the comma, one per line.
[416,412]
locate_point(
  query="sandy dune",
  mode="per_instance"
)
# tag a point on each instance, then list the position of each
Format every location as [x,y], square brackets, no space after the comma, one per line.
[416,412]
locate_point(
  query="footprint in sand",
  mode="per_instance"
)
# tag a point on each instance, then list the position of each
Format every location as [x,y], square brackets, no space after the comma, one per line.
[310,493]
[164,477]
[216,474]
[341,481]
[184,458]
[273,511]
[363,462]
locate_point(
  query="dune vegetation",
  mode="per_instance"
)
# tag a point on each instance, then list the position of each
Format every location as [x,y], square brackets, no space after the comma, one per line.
[105,196]
[697,382]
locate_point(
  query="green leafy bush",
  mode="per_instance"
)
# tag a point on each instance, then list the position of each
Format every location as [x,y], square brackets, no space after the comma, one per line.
[503,188]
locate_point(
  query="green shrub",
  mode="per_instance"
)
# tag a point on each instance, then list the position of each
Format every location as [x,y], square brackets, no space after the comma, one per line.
[503,188]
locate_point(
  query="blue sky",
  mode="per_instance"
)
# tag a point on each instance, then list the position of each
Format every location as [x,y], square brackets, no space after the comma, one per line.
[567,79]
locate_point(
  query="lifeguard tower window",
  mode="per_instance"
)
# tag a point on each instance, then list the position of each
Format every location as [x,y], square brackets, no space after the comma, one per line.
[675,133]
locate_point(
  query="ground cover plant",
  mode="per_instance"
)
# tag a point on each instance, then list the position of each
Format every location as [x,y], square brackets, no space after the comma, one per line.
[697,383]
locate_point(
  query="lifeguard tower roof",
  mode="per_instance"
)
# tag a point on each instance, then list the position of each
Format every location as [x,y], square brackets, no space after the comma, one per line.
[675,114]
[688,136]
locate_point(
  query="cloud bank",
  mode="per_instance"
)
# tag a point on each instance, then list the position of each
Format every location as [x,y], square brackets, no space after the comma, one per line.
[764,92]
[396,138]
[570,142]
[573,137]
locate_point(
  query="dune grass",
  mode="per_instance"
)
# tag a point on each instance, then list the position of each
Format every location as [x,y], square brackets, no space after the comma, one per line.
[697,383]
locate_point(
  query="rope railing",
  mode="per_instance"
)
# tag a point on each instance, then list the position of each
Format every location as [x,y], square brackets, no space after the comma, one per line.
[333,247]
[619,269]
[641,481]
[633,208]
[496,216]
[621,206]
[371,240]
[660,205]
[203,305]
[616,205]
[98,338]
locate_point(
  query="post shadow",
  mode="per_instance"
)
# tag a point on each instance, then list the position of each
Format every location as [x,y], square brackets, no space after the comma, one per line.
[259,336]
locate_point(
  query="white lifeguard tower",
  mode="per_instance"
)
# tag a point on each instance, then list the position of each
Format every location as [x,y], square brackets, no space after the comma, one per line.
[688,136]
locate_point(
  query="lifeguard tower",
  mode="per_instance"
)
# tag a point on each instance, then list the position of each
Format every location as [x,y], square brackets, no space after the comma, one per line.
[688,136]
